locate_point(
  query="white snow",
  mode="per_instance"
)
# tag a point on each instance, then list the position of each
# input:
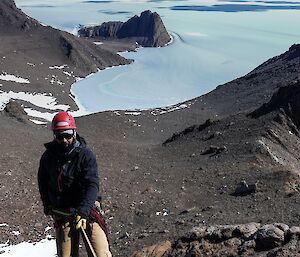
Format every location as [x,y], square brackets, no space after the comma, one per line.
[46,247]
[40,100]
[160,111]
[9,77]
[133,113]
[58,67]
[67,73]
[48,228]
[34,113]
[78,79]
[38,122]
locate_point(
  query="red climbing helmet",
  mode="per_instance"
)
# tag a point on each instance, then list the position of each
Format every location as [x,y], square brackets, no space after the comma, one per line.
[63,121]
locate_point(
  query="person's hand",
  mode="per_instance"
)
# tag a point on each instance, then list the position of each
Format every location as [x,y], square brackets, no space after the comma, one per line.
[80,222]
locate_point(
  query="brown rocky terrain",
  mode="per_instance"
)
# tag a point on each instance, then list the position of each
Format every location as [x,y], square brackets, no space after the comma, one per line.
[215,176]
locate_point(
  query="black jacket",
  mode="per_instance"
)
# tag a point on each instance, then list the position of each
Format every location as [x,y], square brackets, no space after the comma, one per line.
[69,180]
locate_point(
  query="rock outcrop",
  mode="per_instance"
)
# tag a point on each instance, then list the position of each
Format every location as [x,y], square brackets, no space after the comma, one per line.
[14,109]
[252,239]
[147,30]
[286,99]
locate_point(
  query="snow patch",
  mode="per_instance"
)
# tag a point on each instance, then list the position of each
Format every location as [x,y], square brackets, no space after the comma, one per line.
[16,233]
[34,113]
[47,229]
[78,79]
[38,122]
[40,100]
[133,113]
[160,111]
[9,77]
[67,73]
[46,247]
[58,67]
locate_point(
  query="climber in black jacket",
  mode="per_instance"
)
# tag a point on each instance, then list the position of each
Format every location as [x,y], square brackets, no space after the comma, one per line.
[69,183]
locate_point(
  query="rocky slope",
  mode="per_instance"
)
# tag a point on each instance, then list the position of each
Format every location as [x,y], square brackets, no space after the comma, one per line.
[228,157]
[241,168]
[168,170]
[146,29]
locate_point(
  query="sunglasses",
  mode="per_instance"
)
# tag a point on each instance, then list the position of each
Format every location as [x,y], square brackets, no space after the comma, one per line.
[61,136]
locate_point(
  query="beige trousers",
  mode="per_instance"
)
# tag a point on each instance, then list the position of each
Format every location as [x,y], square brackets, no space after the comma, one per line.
[67,240]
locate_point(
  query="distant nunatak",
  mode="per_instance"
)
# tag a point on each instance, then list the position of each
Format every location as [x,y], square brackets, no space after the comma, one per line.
[147,30]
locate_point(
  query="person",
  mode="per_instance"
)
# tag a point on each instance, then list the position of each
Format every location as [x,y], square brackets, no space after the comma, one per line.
[68,183]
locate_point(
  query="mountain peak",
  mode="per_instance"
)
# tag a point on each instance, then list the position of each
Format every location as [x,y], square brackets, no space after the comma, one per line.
[13,19]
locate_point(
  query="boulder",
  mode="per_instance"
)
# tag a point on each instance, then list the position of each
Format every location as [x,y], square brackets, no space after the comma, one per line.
[269,237]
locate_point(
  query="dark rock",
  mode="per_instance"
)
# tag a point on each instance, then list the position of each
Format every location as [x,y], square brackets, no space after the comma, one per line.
[214,150]
[286,99]
[294,52]
[269,237]
[14,109]
[106,30]
[206,124]
[243,189]
[147,30]
[175,136]
[189,130]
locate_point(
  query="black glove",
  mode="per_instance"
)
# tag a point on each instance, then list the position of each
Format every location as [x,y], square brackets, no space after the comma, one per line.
[48,210]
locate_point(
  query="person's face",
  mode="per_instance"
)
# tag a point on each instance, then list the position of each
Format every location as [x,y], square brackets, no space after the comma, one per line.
[64,139]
